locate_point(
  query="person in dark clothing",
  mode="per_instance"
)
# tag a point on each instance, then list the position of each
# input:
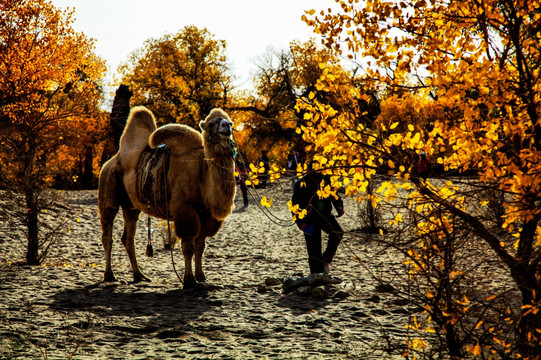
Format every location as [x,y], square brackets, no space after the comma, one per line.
[241,180]
[293,160]
[423,168]
[318,218]
[264,176]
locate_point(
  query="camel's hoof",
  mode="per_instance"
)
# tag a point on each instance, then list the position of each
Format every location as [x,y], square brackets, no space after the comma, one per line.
[109,278]
[201,278]
[140,277]
[190,283]
[203,286]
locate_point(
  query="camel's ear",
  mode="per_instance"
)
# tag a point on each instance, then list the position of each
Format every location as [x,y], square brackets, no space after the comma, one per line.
[202,125]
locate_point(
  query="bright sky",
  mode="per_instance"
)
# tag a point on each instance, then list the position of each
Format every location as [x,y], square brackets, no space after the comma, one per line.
[250,27]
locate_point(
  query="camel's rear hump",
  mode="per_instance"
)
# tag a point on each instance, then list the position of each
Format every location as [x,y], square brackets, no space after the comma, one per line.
[140,125]
[176,136]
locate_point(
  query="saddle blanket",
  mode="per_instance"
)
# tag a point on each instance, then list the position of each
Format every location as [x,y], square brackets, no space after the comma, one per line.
[151,182]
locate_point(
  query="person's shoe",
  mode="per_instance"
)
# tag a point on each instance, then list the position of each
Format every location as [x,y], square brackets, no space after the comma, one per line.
[326,268]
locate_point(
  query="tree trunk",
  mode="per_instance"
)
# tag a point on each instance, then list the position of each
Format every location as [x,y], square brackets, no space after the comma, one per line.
[525,276]
[31,193]
[529,325]
[529,339]
[32,252]
[451,337]
[87,177]
[370,207]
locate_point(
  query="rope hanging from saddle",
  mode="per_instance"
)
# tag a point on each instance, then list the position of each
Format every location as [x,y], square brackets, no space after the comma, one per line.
[151,184]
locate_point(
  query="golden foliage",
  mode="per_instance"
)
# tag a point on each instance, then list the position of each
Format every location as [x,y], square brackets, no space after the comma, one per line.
[484,84]
[180,77]
[49,85]
[474,70]
[50,88]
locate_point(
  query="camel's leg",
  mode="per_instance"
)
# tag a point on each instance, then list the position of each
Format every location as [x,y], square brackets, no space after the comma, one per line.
[187,228]
[108,204]
[130,226]
[209,227]
[199,249]
[107,217]
[188,247]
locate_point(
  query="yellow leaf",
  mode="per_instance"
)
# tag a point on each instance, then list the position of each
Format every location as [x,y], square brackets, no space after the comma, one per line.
[479,324]
[393,125]
[266,202]
[411,127]
[477,350]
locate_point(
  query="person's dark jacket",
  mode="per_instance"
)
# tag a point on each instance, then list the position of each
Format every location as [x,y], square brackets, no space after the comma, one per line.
[305,195]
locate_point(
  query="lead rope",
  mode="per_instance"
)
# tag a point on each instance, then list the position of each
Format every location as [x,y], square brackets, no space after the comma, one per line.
[257,198]
[149,251]
[171,251]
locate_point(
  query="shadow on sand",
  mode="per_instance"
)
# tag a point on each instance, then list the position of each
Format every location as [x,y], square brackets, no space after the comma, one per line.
[117,299]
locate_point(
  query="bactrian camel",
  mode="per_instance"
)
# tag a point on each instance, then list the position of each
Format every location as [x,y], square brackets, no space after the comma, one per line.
[200,185]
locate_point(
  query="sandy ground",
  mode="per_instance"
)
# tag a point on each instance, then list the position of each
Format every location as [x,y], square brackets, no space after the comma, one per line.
[62,309]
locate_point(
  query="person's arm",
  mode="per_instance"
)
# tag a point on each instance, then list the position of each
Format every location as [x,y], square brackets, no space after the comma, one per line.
[300,197]
[336,202]
[338,205]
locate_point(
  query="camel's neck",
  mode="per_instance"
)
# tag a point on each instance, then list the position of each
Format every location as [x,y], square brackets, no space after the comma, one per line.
[219,181]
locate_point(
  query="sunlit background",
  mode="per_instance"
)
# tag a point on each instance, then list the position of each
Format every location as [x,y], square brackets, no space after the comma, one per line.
[249,27]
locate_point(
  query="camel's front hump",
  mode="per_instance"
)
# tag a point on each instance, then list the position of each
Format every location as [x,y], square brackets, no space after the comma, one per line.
[134,139]
[141,123]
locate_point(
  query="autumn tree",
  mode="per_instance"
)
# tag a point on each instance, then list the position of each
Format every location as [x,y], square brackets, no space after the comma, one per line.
[49,91]
[478,63]
[283,77]
[77,162]
[181,76]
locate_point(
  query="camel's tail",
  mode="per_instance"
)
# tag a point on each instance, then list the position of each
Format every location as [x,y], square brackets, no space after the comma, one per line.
[140,125]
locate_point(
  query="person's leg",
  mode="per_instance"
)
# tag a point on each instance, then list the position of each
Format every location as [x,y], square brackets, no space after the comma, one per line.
[244,190]
[313,245]
[331,227]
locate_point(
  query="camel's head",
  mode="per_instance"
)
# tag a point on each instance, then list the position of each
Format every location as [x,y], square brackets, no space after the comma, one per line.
[217,126]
